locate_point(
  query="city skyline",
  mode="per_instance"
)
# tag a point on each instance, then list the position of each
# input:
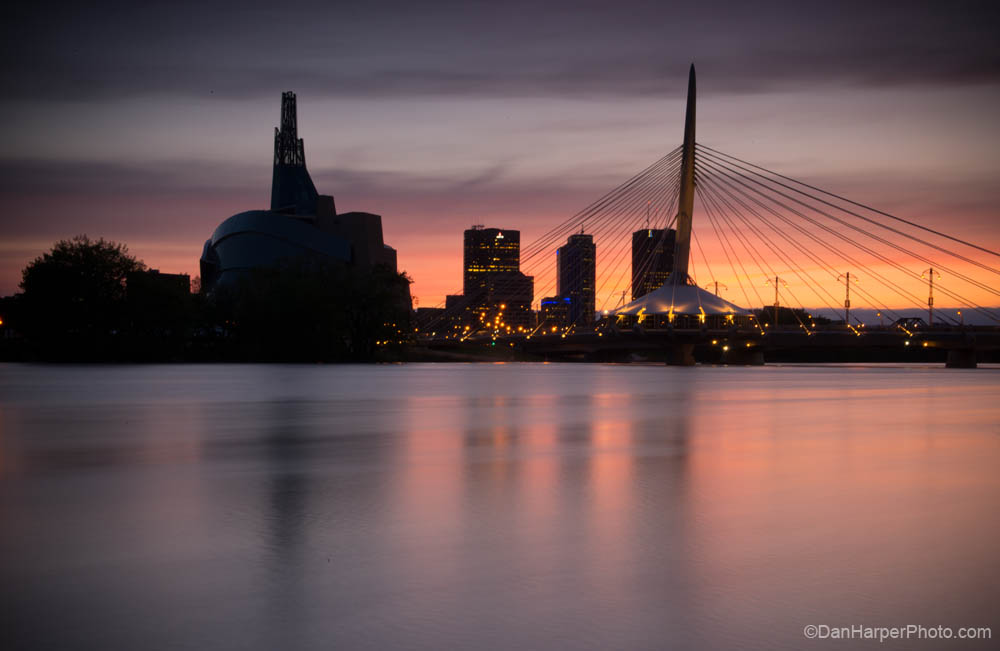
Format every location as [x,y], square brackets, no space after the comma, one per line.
[486,325]
[517,140]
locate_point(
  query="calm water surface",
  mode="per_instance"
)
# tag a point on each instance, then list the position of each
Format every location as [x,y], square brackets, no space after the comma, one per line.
[515,506]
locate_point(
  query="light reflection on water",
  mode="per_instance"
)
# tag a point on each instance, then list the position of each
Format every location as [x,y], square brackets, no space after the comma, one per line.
[482,506]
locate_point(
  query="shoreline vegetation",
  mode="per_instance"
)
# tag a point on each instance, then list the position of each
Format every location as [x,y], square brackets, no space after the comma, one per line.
[91,301]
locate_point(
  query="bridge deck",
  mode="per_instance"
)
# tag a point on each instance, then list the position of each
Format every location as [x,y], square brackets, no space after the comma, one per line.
[830,338]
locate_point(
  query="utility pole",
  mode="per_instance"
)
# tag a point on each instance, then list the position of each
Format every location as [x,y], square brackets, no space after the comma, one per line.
[847,298]
[716,283]
[929,275]
[777,303]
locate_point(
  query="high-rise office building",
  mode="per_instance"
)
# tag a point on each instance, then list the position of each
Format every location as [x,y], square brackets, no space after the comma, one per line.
[496,295]
[577,263]
[652,259]
[488,251]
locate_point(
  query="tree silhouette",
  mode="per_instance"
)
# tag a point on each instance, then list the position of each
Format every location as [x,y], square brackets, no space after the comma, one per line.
[74,297]
[89,300]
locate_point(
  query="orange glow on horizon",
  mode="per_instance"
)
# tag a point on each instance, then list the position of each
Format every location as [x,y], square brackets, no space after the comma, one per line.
[433,259]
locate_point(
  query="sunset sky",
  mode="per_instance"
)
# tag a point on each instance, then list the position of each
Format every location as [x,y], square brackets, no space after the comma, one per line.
[150,123]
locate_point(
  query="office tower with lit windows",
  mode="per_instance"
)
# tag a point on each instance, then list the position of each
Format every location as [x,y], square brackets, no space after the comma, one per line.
[488,251]
[493,287]
[576,276]
[652,259]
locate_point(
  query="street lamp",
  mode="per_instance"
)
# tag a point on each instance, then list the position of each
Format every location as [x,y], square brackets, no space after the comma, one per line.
[717,284]
[776,302]
[929,275]
[847,298]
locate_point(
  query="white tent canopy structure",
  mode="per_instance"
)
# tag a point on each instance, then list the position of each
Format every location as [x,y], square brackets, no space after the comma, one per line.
[681,299]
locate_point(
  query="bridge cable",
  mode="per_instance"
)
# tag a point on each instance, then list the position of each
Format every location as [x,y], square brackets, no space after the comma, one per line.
[771,271]
[663,202]
[729,259]
[761,263]
[665,205]
[795,243]
[868,250]
[874,253]
[855,203]
[605,200]
[798,270]
[897,288]
[724,239]
[632,211]
[878,238]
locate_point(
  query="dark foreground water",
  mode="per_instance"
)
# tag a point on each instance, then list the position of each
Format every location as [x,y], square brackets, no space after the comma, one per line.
[517,506]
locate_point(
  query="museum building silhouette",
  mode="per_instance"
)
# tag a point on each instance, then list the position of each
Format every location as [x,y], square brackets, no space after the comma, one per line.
[300,225]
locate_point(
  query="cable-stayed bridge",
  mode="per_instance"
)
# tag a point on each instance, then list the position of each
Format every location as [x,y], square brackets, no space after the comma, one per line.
[773,245]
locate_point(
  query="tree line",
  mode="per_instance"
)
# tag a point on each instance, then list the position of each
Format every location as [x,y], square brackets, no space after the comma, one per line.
[91,300]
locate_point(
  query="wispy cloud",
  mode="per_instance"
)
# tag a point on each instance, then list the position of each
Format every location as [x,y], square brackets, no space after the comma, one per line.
[488,49]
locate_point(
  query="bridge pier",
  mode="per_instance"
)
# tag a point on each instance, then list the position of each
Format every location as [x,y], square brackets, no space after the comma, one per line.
[961,358]
[681,355]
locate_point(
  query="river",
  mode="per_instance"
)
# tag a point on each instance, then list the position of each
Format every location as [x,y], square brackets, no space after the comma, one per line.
[495,506]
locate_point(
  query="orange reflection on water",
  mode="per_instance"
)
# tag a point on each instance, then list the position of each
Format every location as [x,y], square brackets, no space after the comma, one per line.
[611,508]
[811,497]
